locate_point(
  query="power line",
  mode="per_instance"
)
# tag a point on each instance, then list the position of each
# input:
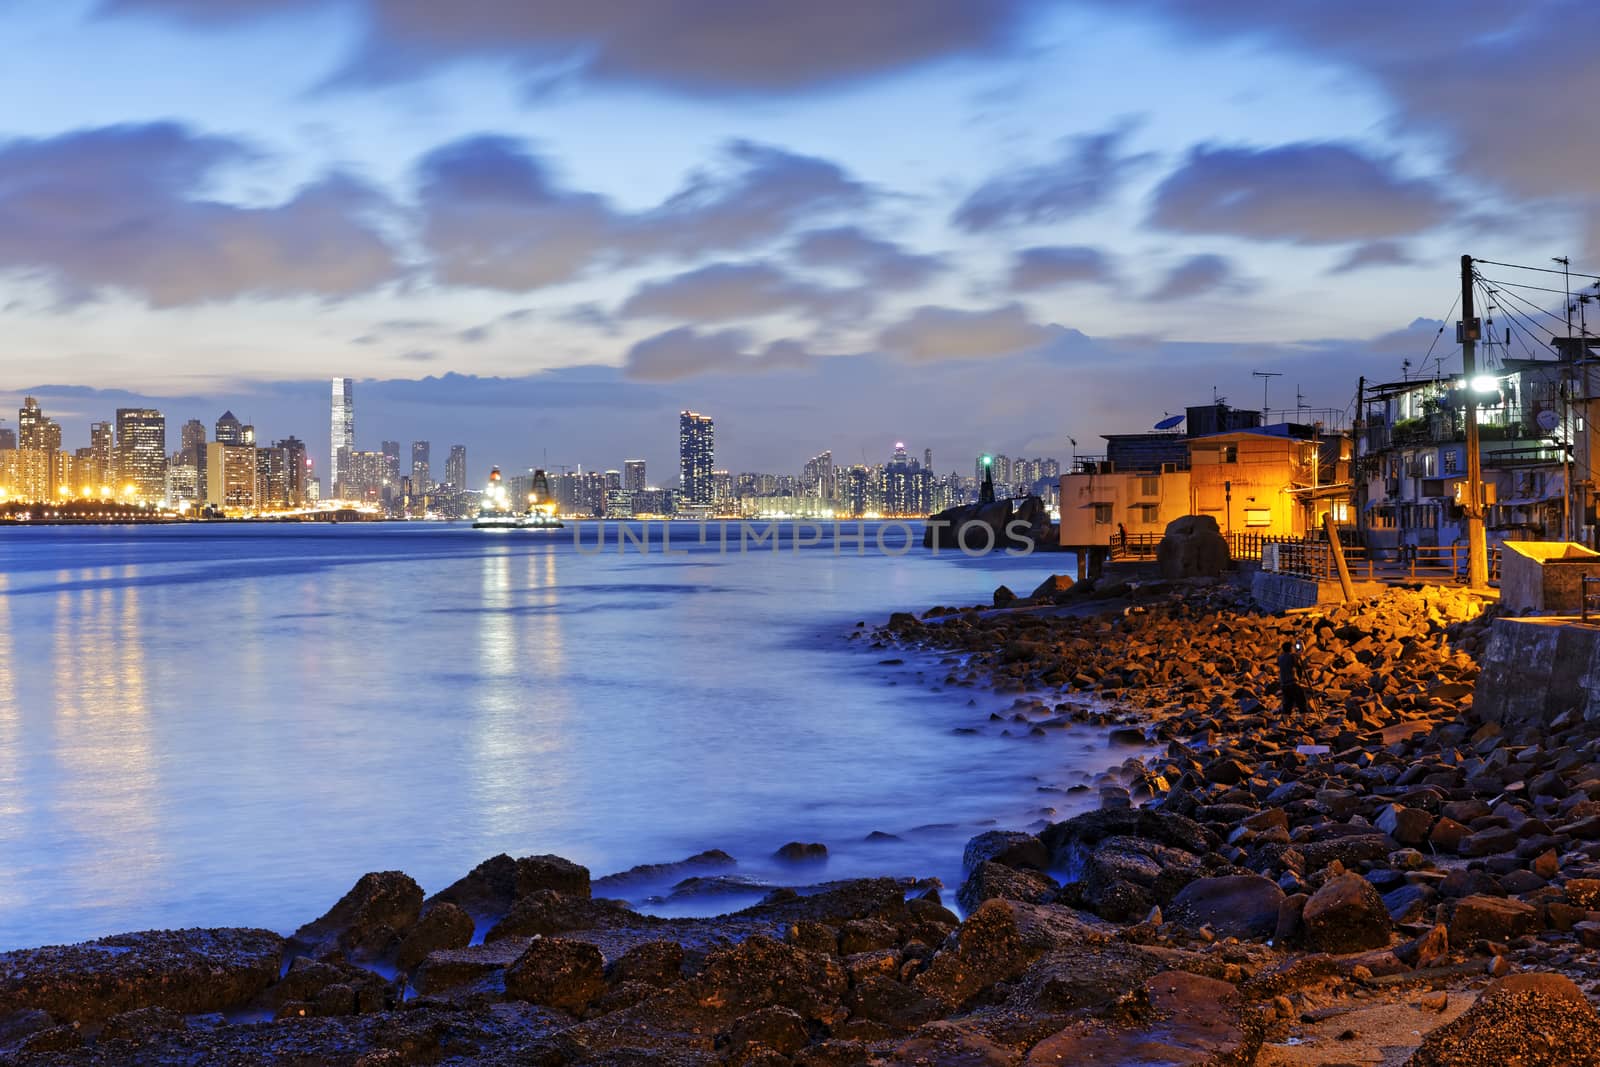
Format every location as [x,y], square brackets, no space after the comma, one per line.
[1525,302]
[1537,288]
[1542,270]
[1516,320]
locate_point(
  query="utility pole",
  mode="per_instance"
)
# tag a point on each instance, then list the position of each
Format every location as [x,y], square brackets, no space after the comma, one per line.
[1477,548]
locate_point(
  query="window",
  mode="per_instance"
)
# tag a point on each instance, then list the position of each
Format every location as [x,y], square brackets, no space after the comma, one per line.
[1258,516]
[1147,514]
[1150,485]
[1452,460]
[1428,464]
[1102,514]
[1230,453]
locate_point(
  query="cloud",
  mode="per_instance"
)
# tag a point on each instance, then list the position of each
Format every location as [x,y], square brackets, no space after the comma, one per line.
[494,216]
[701,47]
[1090,170]
[1308,193]
[685,351]
[1048,266]
[932,332]
[1374,254]
[1198,276]
[420,355]
[124,208]
[724,291]
[879,263]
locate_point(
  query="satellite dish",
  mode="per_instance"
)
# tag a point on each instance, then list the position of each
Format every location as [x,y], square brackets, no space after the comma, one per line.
[1170,422]
[1548,420]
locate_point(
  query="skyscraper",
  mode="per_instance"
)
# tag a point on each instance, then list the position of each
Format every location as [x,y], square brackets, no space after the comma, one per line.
[696,450]
[633,475]
[102,467]
[297,468]
[232,477]
[230,431]
[455,468]
[142,452]
[421,474]
[344,425]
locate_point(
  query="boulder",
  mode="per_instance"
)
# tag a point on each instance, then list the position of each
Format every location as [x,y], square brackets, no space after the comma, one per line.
[1192,547]
[993,880]
[1124,877]
[1239,905]
[1520,1019]
[1409,826]
[545,912]
[1346,915]
[188,971]
[442,926]
[998,941]
[370,919]
[777,1028]
[1489,918]
[568,975]
[760,972]
[1012,848]
[657,963]
[533,873]
[802,852]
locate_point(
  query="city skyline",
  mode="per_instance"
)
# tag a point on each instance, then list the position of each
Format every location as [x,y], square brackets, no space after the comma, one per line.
[537,237]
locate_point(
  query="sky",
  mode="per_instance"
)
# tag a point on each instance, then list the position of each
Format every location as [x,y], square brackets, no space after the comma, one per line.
[540,228]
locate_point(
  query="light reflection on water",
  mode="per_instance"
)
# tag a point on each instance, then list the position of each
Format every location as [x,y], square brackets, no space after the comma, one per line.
[228,725]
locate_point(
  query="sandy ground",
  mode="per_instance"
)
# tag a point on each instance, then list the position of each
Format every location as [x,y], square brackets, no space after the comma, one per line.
[1385,1030]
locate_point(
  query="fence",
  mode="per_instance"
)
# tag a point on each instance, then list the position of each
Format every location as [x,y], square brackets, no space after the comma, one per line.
[1313,558]
[1590,595]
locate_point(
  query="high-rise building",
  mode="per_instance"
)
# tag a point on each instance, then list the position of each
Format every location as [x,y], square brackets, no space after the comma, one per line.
[421,475]
[344,425]
[142,453]
[101,467]
[696,451]
[633,475]
[183,482]
[30,422]
[297,469]
[455,468]
[231,476]
[230,431]
[272,478]
[8,439]
[363,476]
[927,460]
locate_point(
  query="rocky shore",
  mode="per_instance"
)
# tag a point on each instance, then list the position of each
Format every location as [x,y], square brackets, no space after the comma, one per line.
[1389,880]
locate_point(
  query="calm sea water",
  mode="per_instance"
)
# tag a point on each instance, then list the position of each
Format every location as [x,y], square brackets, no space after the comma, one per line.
[227,725]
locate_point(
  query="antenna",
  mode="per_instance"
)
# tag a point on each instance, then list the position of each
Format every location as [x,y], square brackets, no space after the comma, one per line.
[1266,377]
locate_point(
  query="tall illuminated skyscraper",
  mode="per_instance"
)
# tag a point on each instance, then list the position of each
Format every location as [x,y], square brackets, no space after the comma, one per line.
[455,468]
[421,473]
[633,475]
[142,452]
[696,450]
[344,425]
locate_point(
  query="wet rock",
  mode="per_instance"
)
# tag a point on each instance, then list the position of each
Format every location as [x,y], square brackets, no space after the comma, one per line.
[553,873]
[370,919]
[1010,848]
[306,979]
[1489,918]
[947,1043]
[1126,876]
[184,970]
[1073,840]
[656,963]
[545,912]
[1192,1020]
[1520,1019]
[777,1028]
[569,975]
[760,972]
[138,1026]
[442,926]
[998,941]
[487,891]
[1241,905]
[802,852]
[891,1003]
[647,873]
[451,968]
[991,880]
[1346,915]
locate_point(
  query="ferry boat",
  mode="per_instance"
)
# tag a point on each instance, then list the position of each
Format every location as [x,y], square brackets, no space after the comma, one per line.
[495,512]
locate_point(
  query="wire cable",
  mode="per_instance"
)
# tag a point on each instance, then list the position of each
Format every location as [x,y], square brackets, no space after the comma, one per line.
[1542,270]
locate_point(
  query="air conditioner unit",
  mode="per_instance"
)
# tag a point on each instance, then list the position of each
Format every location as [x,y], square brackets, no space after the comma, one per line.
[1269,557]
[1168,468]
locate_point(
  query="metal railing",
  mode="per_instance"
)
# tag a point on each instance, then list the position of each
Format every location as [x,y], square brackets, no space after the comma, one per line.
[1311,557]
[1589,595]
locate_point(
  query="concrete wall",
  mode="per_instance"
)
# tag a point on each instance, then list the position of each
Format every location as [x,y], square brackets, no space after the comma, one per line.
[1535,669]
[1282,592]
[1545,576]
